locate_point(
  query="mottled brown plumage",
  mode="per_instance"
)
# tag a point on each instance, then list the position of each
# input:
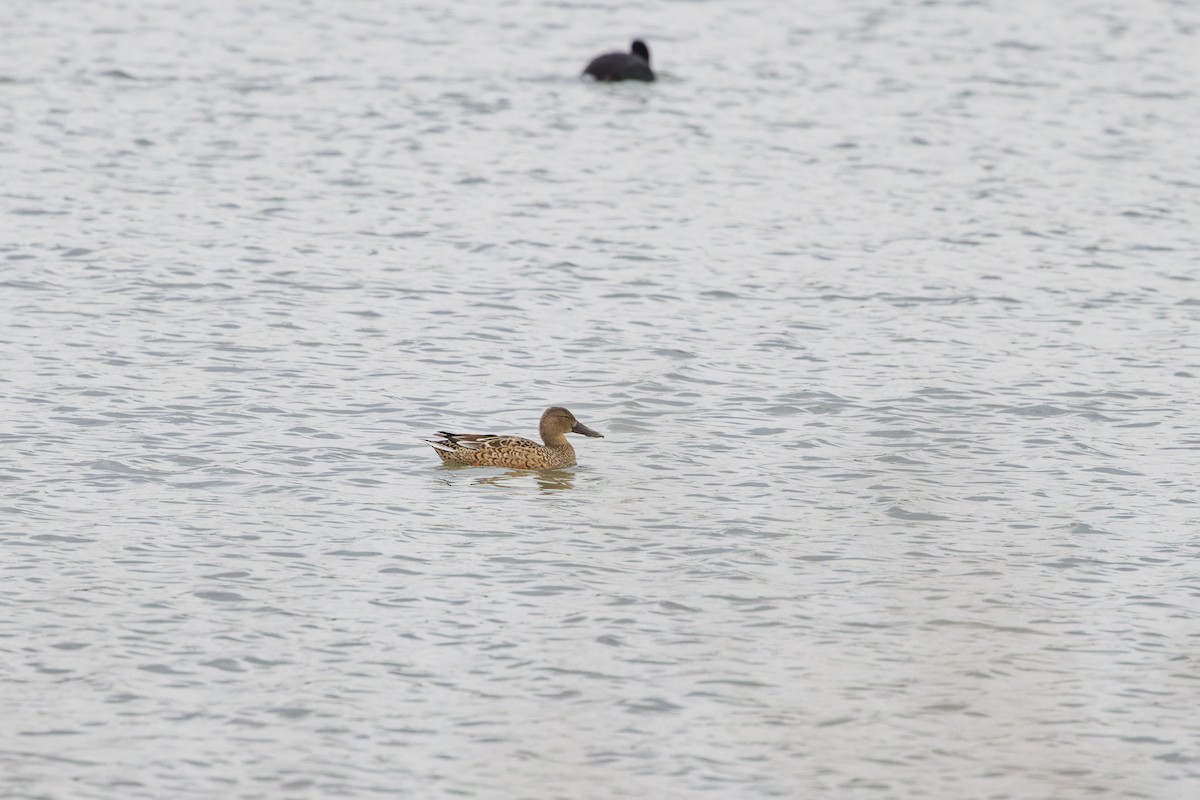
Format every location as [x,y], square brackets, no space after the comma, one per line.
[513,452]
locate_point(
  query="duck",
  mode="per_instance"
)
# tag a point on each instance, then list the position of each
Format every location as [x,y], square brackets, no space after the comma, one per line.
[514,452]
[631,66]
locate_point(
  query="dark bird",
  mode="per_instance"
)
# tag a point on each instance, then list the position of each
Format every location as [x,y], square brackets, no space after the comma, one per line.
[631,66]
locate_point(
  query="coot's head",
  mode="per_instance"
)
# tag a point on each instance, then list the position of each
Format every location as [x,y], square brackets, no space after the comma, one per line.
[639,49]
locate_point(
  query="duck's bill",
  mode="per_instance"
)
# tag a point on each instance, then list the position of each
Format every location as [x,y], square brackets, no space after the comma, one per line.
[585,430]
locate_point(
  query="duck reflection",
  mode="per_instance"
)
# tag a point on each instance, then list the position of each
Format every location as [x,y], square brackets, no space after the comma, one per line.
[548,480]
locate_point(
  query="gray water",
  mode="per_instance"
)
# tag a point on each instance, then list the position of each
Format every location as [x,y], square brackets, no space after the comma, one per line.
[887,310]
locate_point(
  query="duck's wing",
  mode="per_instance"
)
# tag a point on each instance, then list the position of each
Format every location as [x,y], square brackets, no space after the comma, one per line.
[480,441]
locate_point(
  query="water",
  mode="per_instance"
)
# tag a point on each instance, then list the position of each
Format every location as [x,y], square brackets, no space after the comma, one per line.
[888,312]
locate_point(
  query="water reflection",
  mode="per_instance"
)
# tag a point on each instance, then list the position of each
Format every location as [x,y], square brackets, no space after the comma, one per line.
[548,480]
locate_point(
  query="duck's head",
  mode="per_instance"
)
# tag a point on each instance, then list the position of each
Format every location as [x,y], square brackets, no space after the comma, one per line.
[639,49]
[556,421]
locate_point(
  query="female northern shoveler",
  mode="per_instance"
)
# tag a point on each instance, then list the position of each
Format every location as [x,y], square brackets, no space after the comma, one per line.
[489,450]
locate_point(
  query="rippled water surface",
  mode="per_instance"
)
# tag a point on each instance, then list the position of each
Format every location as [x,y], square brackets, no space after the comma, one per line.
[887,310]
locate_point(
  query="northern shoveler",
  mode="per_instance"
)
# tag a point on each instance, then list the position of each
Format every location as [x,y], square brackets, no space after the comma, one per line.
[631,66]
[513,452]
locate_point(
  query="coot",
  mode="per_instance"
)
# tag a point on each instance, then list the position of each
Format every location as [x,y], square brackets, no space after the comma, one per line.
[631,66]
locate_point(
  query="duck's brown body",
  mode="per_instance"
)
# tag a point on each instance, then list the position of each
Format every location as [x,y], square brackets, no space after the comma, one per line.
[514,452]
